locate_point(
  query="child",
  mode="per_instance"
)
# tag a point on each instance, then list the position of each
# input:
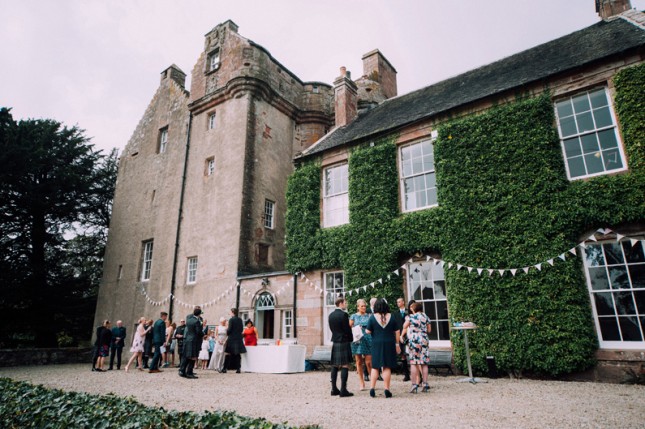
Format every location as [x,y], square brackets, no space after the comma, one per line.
[203,353]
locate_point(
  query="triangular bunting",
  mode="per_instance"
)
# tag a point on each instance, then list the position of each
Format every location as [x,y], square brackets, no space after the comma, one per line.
[396,272]
[513,271]
[526,269]
[470,269]
[449,265]
[501,273]
[563,256]
[538,266]
[619,237]
[592,237]
[550,261]
[479,271]
[490,271]
[633,241]
[428,258]
[459,267]
[573,251]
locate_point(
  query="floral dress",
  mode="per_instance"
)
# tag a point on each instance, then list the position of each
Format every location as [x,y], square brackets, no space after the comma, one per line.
[364,346]
[418,350]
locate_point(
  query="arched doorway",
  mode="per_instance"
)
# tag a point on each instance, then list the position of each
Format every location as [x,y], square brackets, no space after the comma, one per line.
[264,315]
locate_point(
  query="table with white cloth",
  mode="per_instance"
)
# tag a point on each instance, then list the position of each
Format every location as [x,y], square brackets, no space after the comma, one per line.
[274,359]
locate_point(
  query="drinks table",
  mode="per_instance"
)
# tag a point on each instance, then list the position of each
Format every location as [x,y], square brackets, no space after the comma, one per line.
[274,359]
[470,378]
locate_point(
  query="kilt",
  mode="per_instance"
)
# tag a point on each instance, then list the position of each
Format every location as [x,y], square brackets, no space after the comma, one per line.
[341,354]
[235,347]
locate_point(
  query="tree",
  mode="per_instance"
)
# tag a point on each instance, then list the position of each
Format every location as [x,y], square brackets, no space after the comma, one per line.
[54,186]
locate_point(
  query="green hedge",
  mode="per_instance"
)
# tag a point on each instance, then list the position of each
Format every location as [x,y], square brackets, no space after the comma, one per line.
[24,405]
[505,201]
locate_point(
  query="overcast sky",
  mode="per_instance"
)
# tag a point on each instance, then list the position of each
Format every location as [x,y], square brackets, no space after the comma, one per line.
[97,64]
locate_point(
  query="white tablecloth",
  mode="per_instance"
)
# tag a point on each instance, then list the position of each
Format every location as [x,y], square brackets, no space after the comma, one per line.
[274,359]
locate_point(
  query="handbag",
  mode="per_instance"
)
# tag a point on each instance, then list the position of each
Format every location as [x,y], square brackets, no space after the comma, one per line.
[357,333]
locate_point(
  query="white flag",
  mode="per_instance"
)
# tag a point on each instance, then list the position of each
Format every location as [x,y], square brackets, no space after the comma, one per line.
[513,271]
[470,269]
[428,258]
[501,273]
[459,267]
[563,256]
[449,265]
[619,237]
[479,271]
[633,241]
[550,261]
[526,269]
[573,251]
[592,237]
[396,272]
[538,266]
[490,271]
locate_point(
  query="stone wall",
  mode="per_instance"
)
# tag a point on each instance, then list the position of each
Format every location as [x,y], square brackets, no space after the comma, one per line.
[27,357]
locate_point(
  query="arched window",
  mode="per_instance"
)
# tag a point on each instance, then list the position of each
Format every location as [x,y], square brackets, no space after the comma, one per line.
[265,315]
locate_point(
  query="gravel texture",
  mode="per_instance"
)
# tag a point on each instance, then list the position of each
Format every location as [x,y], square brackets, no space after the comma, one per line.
[304,399]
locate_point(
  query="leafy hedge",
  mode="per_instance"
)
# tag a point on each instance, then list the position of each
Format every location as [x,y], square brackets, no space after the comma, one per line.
[24,405]
[505,201]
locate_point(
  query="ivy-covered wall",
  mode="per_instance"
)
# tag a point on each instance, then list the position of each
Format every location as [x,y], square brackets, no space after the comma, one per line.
[505,201]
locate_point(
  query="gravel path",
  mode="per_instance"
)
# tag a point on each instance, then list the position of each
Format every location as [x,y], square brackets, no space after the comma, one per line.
[301,399]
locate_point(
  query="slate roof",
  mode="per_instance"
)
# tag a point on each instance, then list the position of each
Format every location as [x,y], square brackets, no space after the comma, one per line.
[601,40]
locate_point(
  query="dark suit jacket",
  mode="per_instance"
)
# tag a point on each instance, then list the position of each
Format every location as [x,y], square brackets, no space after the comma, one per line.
[159,332]
[192,336]
[398,318]
[235,342]
[341,332]
[118,332]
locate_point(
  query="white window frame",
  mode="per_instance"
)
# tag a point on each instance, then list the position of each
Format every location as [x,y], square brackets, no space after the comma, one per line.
[407,173]
[594,132]
[213,60]
[211,121]
[335,195]
[269,213]
[191,270]
[210,166]
[427,276]
[163,139]
[334,284]
[146,256]
[287,323]
[611,272]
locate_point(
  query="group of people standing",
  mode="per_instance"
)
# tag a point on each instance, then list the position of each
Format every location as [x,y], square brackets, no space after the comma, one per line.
[384,335]
[219,349]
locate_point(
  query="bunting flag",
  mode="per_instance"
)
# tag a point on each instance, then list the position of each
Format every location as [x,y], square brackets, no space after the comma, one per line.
[428,258]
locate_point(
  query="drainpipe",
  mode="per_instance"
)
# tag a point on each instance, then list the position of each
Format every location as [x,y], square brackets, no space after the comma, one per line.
[179,218]
[295,301]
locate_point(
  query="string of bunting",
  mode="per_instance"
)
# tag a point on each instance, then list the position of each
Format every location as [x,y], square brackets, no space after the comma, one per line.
[443,263]
[170,296]
[491,271]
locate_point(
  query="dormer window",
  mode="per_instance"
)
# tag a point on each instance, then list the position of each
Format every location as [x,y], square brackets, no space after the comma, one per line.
[213,60]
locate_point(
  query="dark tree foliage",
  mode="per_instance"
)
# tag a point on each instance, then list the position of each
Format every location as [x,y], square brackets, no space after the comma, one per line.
[55,202]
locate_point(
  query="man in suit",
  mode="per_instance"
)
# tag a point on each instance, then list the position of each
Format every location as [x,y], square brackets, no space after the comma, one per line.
[158,339]
[116,347]
[400,315]
[235,343]
[179,336]
[192,343]
[341,352]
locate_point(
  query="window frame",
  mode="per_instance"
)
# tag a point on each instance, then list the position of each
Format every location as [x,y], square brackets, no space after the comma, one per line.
[595,131]
[269,217]
[614,291]
[147,249]
[209,168]
[192,263]
[211,120]
[436,274]
[210,65]
[402,178]
[287,324]
[342,196]
[163,140]
[329,301]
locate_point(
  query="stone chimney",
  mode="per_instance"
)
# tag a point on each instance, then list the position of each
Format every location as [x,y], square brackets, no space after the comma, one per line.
[345,98]
[608,8]
[377,68]
[173,72]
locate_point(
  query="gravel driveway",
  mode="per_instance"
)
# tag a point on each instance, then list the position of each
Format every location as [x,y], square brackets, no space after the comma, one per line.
[301,399]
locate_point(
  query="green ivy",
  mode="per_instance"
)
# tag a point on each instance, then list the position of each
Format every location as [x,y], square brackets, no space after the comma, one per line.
[505,201]
[24,405]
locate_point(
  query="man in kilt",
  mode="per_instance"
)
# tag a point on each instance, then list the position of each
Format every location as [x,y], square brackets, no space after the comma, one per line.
[235,343]
[341,352]
[193,336]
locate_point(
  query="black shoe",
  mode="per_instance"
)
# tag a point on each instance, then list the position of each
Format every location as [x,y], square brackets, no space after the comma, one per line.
[380,378]
[238,371]
[181,374]
[366,377]
[93,369]
[372,393]
[191,376]
[109,369]
[406,378]
[224,371]
[388,394]
[335,392]
[344,393]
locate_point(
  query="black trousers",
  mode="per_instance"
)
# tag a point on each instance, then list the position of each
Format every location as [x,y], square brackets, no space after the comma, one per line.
[95,355]
[186,366]
[156,358]
[116,351]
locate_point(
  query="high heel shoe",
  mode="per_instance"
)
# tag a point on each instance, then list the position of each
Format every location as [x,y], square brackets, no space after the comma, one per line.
[425,387]
[388,394]
[415,388]
[372,393]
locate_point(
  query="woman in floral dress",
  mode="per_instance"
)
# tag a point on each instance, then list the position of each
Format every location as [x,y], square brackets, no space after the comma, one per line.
[417,327]
[362,349]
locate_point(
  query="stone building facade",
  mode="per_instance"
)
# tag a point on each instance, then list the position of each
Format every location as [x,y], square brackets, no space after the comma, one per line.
[199,208]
